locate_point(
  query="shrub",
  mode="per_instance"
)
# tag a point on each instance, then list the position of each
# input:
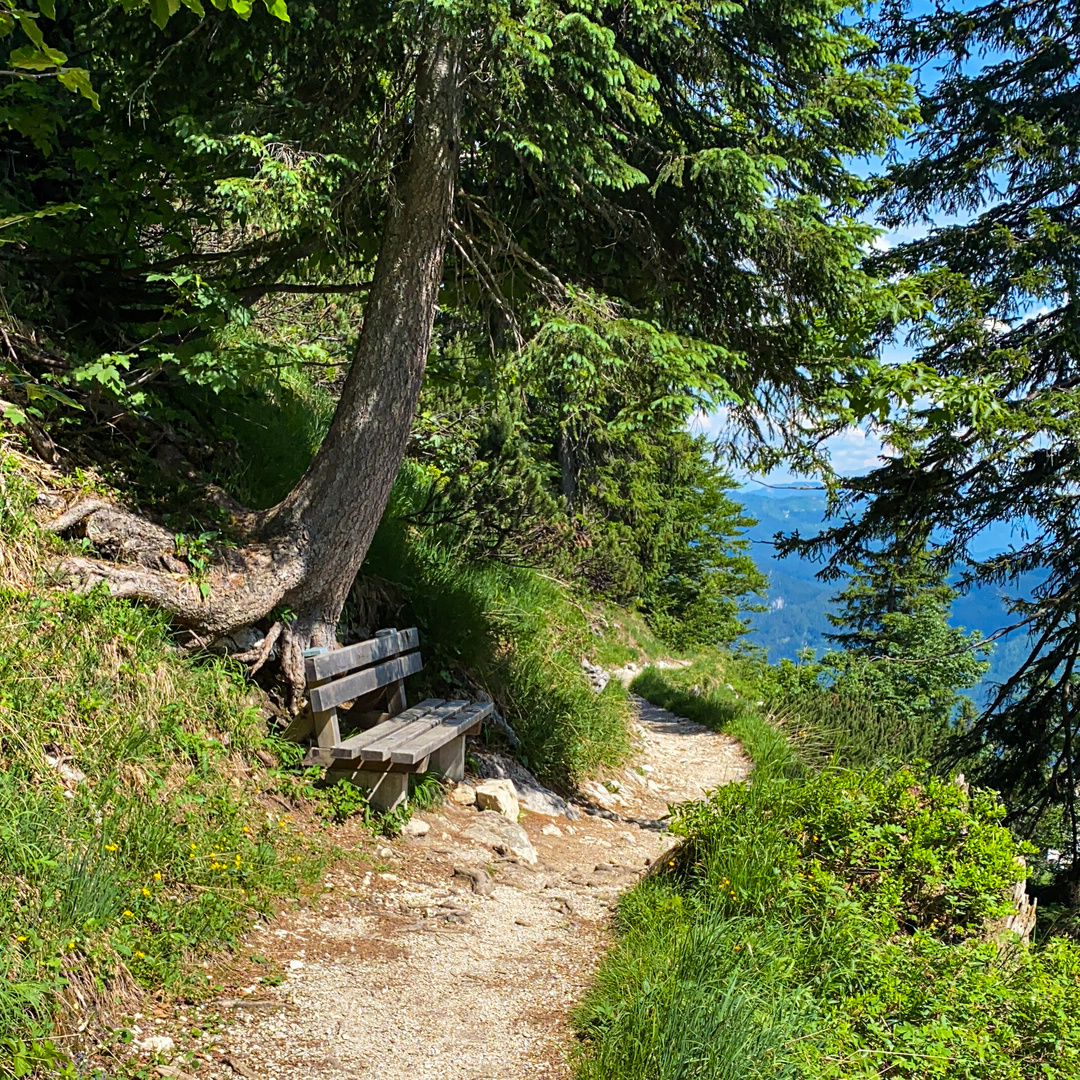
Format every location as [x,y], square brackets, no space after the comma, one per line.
[827,923]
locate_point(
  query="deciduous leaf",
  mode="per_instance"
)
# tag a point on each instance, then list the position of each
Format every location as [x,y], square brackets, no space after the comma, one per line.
[29,58]
[78,81]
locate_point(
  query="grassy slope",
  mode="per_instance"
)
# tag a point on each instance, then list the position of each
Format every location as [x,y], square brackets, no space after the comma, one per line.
[826,923]
[514,631]
[136,825]
[179,835]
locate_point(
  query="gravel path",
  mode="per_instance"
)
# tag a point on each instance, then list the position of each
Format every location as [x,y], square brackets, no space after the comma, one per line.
[400,970]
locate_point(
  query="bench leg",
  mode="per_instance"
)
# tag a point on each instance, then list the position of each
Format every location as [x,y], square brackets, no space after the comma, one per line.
[450,759]
[385,790]
[327,728]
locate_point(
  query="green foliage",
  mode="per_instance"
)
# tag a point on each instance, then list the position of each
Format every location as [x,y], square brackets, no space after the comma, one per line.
[586,469]
[516,633]
[996,158]
[37,58]
[338,801]
[124,846]
[830,924]
[648,185]
[697,602]
[900,653]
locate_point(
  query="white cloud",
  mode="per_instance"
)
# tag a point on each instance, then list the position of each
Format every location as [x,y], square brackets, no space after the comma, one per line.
[853,451]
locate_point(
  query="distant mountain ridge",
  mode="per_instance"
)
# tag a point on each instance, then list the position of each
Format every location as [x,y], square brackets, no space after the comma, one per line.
[798,603]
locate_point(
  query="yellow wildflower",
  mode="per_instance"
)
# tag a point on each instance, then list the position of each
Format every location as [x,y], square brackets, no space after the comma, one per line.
[157,875]
[145,891]
[110,847]
[22,937]
[129,914]
[141,955]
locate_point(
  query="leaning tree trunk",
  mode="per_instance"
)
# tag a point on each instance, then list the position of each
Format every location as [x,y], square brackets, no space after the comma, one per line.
[305,552]
[335,508]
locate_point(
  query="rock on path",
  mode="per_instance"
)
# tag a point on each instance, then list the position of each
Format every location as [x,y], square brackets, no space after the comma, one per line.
[406,969]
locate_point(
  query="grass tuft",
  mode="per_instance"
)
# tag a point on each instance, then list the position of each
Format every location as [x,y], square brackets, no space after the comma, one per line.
[827,923]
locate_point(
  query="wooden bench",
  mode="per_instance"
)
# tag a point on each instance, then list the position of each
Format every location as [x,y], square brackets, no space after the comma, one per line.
[394,741]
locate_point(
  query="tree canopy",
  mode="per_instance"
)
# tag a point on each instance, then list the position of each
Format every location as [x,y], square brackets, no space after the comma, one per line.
[992,184]
[648,208]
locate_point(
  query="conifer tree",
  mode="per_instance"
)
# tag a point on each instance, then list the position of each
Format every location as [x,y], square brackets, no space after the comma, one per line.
[899,651]
[998,157]
[677,172]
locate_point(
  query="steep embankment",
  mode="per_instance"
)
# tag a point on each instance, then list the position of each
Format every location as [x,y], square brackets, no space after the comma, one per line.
[405,967]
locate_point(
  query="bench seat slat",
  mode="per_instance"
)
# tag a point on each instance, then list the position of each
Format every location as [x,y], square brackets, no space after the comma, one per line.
[379,749]
[352,686]
[419,746]
[338,661]
[350,748]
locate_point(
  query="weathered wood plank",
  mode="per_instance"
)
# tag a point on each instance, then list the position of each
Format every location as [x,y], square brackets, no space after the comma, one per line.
[352,686]
[327,728]
[338,661]
[349,748]
[320,755]
[379,749]
[419,746]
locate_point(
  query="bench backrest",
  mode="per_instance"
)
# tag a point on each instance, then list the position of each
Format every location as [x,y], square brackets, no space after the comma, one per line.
[345,674]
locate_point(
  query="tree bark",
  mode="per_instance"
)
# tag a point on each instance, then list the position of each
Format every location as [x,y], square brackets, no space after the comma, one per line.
[336,506]
[306,552]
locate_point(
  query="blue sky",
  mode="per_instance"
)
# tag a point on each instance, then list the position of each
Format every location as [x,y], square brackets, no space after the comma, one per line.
[857,450]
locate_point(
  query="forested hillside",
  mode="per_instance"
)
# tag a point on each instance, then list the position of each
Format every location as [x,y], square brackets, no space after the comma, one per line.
[322,318]
[798,604]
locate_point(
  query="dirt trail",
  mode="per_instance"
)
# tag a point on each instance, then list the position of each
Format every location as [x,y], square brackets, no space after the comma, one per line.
[403,971]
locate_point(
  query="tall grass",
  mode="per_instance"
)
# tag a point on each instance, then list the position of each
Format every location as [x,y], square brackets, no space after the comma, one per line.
[827,923]
[515,632]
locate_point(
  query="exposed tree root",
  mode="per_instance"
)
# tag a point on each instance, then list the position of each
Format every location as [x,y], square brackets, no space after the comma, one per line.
[241,587]
[121,536]
[258,656]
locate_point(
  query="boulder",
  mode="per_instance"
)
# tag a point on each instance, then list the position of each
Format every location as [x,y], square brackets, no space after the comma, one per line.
[530,792]
[504,837]
[500,796]
[463,795]
[415,827]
